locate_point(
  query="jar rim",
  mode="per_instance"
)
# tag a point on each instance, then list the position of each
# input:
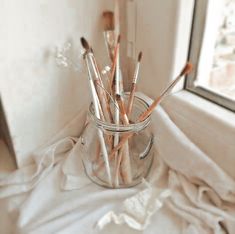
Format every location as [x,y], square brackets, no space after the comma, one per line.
[121,127]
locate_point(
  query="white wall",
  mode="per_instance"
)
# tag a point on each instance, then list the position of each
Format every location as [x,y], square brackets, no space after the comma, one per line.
[163,33]
[40,97]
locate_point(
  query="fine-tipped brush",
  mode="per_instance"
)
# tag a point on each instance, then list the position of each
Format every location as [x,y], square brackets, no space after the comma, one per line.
[85,45]
[134,85]
[109,33]
[97,114]
[116,90]
[114,65]
[98,81]
[102,90]
[186,70]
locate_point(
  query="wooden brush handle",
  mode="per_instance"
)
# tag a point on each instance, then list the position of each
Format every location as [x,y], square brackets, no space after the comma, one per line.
[131,99]
[116,52]
[124,154]
[116,148]
[126,164]
[122,110]
[148,112]
[185,71]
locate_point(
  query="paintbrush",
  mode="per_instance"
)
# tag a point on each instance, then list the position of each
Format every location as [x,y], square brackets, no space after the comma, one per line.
[114,65]
[185,71]
[122,109]
[123,156]
[134,85]
[98,81]
[97,114]
[109,33]
[116,90]
[117,32]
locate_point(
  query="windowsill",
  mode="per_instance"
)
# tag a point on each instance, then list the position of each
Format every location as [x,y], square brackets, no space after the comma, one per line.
[208,109]
[209,126]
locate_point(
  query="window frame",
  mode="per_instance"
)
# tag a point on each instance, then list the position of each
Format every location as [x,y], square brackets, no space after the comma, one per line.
[197,32]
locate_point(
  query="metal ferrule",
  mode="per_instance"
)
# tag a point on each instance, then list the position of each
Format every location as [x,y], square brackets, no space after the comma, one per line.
[109,37]
[136,74]
[91,58]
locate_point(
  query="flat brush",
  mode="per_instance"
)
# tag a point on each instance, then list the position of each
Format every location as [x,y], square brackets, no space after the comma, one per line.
[109,33]
[117,16]
[134,85]
[108,19]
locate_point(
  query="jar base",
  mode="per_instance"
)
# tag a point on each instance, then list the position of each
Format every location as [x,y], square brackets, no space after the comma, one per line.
[135,181]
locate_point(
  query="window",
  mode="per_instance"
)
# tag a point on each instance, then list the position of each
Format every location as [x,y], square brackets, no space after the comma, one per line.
[212,51]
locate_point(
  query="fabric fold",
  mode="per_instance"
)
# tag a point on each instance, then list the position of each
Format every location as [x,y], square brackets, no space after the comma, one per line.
[180,154]
[202,195]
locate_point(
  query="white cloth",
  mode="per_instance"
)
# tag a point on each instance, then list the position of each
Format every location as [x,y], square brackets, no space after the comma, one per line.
[53,195]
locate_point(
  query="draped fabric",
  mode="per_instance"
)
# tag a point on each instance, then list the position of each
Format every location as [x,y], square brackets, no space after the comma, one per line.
[186,192]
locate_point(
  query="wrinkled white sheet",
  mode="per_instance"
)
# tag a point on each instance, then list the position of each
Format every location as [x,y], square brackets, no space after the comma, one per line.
[54,196]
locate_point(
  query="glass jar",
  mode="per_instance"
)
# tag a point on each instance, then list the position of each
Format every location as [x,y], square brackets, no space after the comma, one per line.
[126,166]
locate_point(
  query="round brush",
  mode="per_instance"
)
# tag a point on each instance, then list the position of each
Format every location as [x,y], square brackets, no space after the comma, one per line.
[98,81]
[186,70]
[134,85]
[97,112]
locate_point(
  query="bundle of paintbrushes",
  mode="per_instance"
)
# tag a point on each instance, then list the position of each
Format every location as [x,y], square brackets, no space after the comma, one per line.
[121,156]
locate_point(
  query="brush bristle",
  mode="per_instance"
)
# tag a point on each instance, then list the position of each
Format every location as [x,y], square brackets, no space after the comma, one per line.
[119,38]
[84,43]
[140,56]
[118,97]
[187,69]
[108,18]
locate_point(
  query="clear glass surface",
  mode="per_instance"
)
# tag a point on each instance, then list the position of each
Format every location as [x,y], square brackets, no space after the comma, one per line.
[137,152]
